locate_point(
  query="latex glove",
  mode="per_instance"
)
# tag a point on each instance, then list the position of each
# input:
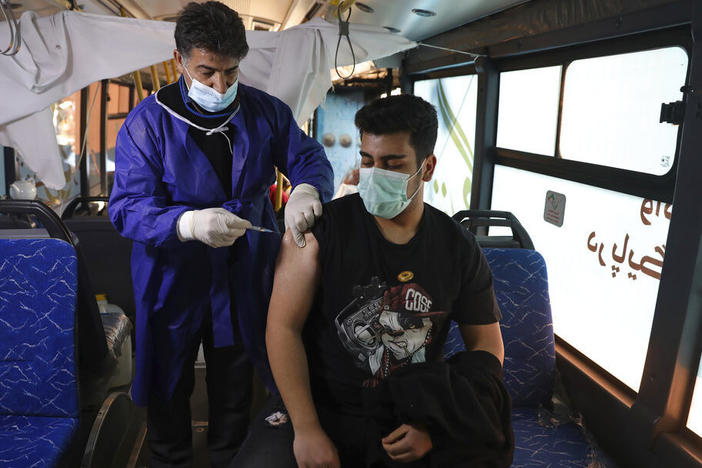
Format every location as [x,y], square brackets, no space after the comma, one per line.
[301,211]
[215,227]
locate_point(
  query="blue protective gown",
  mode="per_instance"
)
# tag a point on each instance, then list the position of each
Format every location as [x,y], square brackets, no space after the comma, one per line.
[161,173]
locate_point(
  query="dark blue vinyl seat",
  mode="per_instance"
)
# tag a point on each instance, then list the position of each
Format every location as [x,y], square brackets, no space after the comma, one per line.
[39,407]
[521,288]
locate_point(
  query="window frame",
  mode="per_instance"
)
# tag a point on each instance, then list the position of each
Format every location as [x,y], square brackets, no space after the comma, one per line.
[659,187]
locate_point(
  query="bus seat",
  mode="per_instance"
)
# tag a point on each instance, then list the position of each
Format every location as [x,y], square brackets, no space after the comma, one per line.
[108,259]
[521,288]
[39,409]
[97,357]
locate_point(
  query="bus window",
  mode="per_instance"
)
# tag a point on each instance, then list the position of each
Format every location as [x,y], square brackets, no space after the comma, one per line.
[694,417]
[611,109]
[455,100]
[604,263]
[528,110]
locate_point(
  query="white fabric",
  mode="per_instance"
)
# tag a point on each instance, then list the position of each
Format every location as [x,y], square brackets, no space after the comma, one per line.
[62,54]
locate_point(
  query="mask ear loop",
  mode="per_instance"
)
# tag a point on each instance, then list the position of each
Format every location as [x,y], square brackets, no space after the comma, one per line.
[185,67]
[420,183]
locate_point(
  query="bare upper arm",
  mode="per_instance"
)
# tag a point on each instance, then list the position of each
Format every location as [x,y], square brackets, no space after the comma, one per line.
[296,278]
[484,338]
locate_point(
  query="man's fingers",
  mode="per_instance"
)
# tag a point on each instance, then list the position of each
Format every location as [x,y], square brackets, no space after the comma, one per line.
[234,221]
[309,219]
[317,209]
[398,448]
[298,236]
[405,457]
[395,435]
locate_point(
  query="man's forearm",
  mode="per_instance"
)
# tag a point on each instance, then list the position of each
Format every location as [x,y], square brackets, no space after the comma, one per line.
[286,354]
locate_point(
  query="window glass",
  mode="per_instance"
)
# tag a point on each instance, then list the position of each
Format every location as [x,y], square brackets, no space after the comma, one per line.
[694,417]
[612,106]
[604,262]
[455,100]
[528,110]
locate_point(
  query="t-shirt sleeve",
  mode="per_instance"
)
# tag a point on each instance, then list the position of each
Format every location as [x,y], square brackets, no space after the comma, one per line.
[476,303]
[322,229]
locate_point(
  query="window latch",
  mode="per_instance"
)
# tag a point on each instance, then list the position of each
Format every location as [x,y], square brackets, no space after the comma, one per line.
[673,112]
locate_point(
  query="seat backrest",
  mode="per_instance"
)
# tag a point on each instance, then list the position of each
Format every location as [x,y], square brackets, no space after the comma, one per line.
[107,258]
[38,288]
[521,288]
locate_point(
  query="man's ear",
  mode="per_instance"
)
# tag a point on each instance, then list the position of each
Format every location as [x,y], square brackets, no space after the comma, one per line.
[429,166]
[178,60]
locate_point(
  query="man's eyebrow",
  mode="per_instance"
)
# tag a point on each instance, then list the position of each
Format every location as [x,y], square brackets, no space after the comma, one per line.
[384,158]
[207,68]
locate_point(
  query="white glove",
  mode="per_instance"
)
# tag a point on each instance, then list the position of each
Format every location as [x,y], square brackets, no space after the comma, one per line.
[215,227]
[301,211]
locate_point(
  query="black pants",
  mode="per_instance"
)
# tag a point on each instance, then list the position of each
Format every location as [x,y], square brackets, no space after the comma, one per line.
[229,375]
[270,441]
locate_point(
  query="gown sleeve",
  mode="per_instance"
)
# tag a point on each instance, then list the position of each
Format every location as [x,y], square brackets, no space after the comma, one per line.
[139,207]
[301,158]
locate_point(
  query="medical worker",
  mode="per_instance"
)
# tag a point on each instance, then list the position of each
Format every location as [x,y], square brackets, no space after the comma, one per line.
[193,165]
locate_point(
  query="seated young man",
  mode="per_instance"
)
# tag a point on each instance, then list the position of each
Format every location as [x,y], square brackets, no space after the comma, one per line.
[358,320]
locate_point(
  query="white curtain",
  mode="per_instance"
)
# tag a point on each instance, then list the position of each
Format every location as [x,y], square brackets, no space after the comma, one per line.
[62,54]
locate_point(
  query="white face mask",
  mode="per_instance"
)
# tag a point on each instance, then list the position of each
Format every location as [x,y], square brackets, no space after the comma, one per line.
[384,193]
[208,98]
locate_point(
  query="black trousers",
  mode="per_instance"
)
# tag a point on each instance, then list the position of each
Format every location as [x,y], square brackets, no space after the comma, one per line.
[229,376]
[270,440]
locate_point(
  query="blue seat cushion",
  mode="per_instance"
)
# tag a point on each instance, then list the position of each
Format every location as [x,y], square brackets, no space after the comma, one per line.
[38,286]
[34,441]
[557,446]
[521,289]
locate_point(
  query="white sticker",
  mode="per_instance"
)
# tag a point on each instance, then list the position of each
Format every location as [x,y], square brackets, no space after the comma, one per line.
[554,208]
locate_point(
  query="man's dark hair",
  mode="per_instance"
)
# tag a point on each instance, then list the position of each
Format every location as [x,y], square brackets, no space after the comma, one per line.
[212,26]
[402,113]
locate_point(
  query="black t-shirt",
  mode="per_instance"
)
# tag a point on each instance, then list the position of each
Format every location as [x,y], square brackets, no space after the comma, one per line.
[382,306]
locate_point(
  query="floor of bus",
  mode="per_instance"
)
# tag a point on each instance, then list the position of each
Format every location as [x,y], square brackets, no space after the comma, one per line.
[199,411]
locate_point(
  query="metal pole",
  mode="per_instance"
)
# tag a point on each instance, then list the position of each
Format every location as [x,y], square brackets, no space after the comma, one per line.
[278,191]
[175,70]
[137,84]
[84,189]
[104,87]
[155,82]
[167,70]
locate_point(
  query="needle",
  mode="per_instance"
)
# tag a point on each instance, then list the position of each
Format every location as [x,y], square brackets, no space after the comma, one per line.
[259,229]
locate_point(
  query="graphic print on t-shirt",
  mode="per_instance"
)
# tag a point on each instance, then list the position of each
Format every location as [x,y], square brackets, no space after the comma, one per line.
[385,328]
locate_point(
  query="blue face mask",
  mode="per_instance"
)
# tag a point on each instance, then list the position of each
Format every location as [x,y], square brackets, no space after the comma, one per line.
[384,193]
[208,98]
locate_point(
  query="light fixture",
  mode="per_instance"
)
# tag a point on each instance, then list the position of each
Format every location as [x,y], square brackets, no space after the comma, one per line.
[423,13]
[391,29]
[364,8]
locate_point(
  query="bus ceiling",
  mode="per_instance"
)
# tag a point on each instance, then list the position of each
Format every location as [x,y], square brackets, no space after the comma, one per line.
[538,26]
[416,21]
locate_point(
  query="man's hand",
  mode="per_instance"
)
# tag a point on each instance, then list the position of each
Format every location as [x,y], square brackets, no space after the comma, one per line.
[215,227]
[301,211]
[407,443]
[314,449]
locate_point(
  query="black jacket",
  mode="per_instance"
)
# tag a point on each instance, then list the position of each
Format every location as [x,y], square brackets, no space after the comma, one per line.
[462,402]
